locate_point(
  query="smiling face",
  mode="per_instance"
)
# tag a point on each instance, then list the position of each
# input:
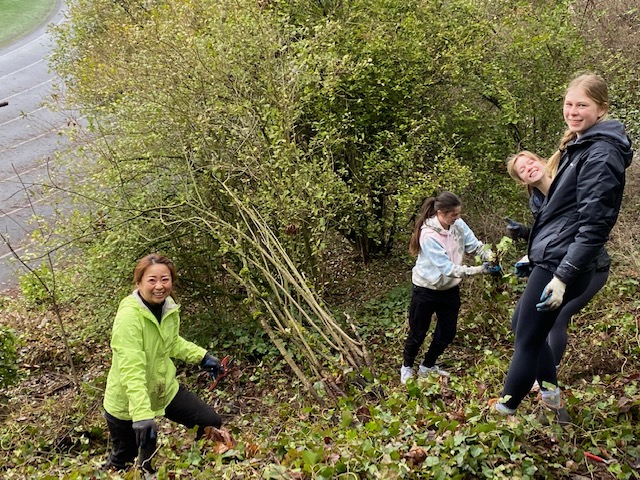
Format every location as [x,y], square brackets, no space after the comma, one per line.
[580,111]
[448,218]
[156,283]
[530,170]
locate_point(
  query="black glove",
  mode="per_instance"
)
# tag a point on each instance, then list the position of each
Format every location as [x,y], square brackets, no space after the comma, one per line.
[212,365]
[145,429]
[517,230]
[491,269]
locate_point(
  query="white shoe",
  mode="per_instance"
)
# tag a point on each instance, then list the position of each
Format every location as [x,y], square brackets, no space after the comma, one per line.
[425,371]
[405,374]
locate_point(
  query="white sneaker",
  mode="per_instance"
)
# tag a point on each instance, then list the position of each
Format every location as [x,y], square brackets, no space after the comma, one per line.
[425,371]
[405,374]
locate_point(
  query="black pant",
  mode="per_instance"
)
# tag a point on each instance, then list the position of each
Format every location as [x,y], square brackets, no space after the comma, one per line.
[532,357]
[186,408]
[424,303]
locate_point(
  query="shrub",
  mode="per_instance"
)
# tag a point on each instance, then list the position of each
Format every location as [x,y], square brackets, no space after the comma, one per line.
[8,357]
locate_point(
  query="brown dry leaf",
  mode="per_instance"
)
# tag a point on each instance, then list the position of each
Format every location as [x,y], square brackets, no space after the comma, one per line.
[481,387]
[251,450]
[416,455]
[625,404]
[363,414]
[221,437]
[458,416]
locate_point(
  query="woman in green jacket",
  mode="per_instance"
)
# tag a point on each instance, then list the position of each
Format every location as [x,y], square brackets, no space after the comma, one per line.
[142,383]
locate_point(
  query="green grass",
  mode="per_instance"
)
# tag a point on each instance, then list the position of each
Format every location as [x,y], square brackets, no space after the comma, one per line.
[20,17]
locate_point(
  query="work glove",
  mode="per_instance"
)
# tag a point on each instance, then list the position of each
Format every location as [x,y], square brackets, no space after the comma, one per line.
[487,255]
[516,230]
[145,429]
[475,270]
[552,295]
[523,267]
[491,269]
[212,365]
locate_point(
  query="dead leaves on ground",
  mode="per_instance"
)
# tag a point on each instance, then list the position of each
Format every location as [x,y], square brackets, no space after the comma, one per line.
[221,438]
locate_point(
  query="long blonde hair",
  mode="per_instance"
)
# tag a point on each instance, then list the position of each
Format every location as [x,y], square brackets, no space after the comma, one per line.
[445,202]
[596,89]
[511,164]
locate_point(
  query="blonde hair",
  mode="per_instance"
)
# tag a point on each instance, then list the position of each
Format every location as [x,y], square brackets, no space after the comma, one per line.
[596,89]
[511,166]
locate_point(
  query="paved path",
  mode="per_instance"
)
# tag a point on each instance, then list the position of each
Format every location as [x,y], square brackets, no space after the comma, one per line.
[29,136]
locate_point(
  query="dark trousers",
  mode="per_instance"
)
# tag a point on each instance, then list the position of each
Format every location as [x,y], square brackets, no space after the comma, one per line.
[186,408]
[532,357]
[424,303]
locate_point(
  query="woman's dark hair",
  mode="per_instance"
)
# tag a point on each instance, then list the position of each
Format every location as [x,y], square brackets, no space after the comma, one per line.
[149,260]
[445,202]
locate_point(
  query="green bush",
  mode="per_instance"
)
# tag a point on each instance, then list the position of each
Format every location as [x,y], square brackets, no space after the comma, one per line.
[8,357]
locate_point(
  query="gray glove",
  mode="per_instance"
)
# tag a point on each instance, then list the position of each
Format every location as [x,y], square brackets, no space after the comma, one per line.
[552,295]
[517,230]
[145,429]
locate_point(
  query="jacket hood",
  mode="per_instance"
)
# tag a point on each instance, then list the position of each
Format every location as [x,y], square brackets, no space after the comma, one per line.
[434,224]
[611,131]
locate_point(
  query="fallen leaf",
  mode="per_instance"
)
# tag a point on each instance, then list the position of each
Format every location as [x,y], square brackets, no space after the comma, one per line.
[251,450]
[416,455]
[625,404]
[363,414]
[221,437]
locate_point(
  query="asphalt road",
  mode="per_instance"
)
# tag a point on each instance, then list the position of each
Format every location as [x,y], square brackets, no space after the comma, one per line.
[29,136]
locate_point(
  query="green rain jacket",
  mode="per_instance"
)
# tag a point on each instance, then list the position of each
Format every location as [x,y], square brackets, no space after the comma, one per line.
[142,379]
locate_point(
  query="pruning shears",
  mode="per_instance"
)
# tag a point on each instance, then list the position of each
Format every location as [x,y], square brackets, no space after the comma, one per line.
[225,365]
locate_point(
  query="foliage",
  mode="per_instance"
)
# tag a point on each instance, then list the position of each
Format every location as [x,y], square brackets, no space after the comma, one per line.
[315,122]
[8,357]
[327,116]
[413,97]
[432,428]
[613,27]
[318,117]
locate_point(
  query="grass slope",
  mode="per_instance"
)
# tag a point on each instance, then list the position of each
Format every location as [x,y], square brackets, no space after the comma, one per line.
[19,17]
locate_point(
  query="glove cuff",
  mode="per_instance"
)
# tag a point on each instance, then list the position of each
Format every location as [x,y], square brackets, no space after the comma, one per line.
[204,359]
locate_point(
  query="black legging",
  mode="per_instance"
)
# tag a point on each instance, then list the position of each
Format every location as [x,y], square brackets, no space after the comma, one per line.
[424,303]
[557,338]
[531,328]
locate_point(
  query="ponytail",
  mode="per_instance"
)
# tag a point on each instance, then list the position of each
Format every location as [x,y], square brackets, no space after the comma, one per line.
[554,161]
[445,202]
